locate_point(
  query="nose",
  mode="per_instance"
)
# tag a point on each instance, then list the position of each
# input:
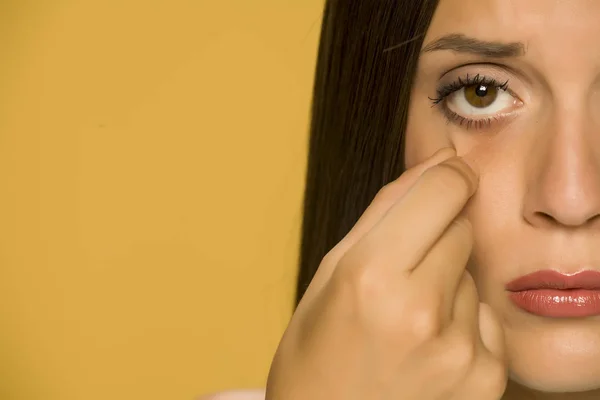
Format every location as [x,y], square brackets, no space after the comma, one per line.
[564,176]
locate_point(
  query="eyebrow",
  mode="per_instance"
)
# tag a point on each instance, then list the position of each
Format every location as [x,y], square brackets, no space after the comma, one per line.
[464,44]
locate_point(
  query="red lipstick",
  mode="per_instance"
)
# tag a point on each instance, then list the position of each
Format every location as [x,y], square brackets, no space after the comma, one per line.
[553,294]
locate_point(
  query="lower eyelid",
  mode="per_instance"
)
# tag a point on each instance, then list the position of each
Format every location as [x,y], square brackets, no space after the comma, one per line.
[481,123]
[469,123]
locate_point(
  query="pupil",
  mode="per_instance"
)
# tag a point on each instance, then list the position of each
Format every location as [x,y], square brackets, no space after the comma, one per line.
[481,91]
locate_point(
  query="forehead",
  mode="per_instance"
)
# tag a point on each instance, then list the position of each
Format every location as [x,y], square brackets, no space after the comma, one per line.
[560,37]
[533,22]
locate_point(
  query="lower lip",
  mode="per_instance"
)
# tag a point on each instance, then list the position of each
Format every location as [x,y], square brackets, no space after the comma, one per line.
[567,303]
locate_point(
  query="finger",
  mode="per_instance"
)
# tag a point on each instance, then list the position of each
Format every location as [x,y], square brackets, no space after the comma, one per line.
[486,378]
[414,223]
[465,308]
[485,372]
[492,332]
[488,372]
[382,202]
[443,268]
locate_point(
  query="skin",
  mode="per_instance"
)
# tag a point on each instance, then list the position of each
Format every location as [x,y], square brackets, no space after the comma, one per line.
[538,200]
[536,206]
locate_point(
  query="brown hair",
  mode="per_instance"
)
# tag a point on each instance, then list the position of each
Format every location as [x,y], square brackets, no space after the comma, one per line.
[366,63]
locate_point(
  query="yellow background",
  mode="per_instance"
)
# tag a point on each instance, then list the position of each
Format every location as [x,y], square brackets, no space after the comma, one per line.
[152,159]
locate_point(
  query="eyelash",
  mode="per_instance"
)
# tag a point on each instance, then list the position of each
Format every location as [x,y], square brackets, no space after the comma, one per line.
[446,90]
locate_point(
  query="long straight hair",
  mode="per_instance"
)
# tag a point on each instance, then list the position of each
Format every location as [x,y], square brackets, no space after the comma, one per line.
[367,59]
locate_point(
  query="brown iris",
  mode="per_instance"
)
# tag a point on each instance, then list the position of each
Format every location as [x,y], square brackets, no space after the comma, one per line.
[480,96]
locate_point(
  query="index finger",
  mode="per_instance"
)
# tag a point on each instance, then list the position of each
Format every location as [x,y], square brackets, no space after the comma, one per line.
[382,202]
[402,238]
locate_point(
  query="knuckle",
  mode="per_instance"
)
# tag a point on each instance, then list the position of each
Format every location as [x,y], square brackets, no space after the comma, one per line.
[360,281]
[425,321]
[329,258]
[387,191]
[365,296]
[375,296]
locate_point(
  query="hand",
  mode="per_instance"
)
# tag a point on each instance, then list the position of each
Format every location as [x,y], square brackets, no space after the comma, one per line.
[392,312]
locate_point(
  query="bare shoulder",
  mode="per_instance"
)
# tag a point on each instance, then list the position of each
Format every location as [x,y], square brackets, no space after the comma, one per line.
[256,394]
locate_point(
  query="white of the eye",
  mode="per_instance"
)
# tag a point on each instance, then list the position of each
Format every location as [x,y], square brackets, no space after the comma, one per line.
[459,104]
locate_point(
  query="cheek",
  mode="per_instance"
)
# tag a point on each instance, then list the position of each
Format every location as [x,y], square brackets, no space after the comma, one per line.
[428,132]
[494,212]
[492,209]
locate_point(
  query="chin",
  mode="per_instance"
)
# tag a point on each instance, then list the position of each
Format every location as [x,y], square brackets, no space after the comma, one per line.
[555,355]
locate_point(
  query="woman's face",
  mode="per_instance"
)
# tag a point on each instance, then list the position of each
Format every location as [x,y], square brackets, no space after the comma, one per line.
[536,143]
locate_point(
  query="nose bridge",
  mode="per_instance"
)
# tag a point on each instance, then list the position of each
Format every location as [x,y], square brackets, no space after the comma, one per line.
[564,174]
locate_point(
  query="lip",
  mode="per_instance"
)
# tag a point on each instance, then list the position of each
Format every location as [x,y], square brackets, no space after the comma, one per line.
[550,293]
[550,279]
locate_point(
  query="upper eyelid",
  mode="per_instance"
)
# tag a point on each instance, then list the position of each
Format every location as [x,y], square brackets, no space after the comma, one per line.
[447,89]
[520,81]
[496,77]
[468,80]
[483,76]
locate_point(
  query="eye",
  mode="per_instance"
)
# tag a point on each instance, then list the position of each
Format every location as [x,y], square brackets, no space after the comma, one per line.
[480,99]
[476,101]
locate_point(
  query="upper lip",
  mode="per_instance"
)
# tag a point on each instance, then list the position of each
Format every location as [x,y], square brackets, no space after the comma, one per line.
[550,279]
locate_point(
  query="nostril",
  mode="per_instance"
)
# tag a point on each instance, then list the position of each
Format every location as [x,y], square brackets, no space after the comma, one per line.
[545,218]
[595,220]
